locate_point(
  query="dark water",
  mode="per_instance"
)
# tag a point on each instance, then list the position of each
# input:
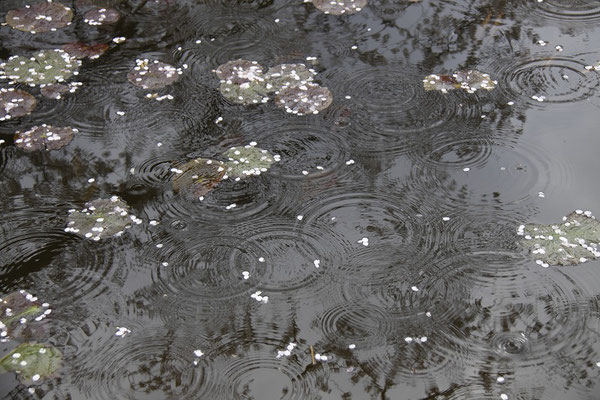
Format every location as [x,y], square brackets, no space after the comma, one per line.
[484,307]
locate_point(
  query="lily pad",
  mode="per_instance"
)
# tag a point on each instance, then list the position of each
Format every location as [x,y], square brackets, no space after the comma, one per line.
[21,314]
[153,74]
[32,361]
[339,7]
[101,16]
[470,81]
[576,240]
[288,75]
[46,66]
[40,17]
[81,50]
[198,177]
[15,103]
[247,160]
[304,99]
[246,93]
[44,137]
[240,71]
[56,90]
[101,218]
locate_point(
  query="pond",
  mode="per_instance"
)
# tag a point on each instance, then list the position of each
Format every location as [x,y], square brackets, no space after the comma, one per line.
[287,199]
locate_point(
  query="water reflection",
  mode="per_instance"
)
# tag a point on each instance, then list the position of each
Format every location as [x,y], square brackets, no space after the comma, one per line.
[438,303]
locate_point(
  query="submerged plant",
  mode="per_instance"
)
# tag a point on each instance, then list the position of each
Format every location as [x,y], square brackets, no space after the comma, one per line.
[101,218]
[248,160]
[576,240]
[153,74]
[339,7]
[20,314]
[32,362]
[15,103]
[101,16]
[44,67]
[81,50]
[470,81]
[56,90]
[198,176]
[44,137]
[40,17]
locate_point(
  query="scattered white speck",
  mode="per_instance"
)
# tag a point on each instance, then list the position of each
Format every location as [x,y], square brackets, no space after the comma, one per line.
[317,263]
[414,289]
[364,241]
[446,219]
[229,207]
[276,20]
[246,274]
[541,194]
[510,103]
[466,169]
[504,396]
[350,162]
[500,379]
[91,180]
[261,259]
[299,217]
[35,378]
[352,346]
[408,339]
[122,331]
[198,353]
[159,144]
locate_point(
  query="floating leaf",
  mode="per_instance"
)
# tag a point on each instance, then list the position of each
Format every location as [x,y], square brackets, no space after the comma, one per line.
[574,241]
[101,16]
[247,160]
[288,75]
[32,361]
[247,93]
[339,7]
[304,99]
[470,81]
[20,314]
[101,218]
[40,17]
[153,75]
[46,66]
[56,90]
[44,137]
[198,176]
[81,50]
[240,71]
[15,103]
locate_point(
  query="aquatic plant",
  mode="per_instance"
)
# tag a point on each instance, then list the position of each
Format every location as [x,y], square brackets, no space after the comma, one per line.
[289,75]
[248,160]
[81,50]
[243,82]
[19,313]
[40,17]
[101,218]
[153,74]
[339,7]
[304,99]
[45,66]
[32,361]
[470,81]
[198,176]
[56,90]
[15,103]
[44,137]
[576,240]
[101,16]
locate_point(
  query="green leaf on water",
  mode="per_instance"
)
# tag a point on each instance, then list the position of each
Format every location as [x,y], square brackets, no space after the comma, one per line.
[154,74]
[247,93]
[40,17]
[21,315]
[240,71]
[44,67]
[574,241]
[288,75]
[197,177]
[304,99]
[243,161]
[32,361]
[15,103]
[339,7]
[243,82]
[469,81]
[101,218]
[44,137]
